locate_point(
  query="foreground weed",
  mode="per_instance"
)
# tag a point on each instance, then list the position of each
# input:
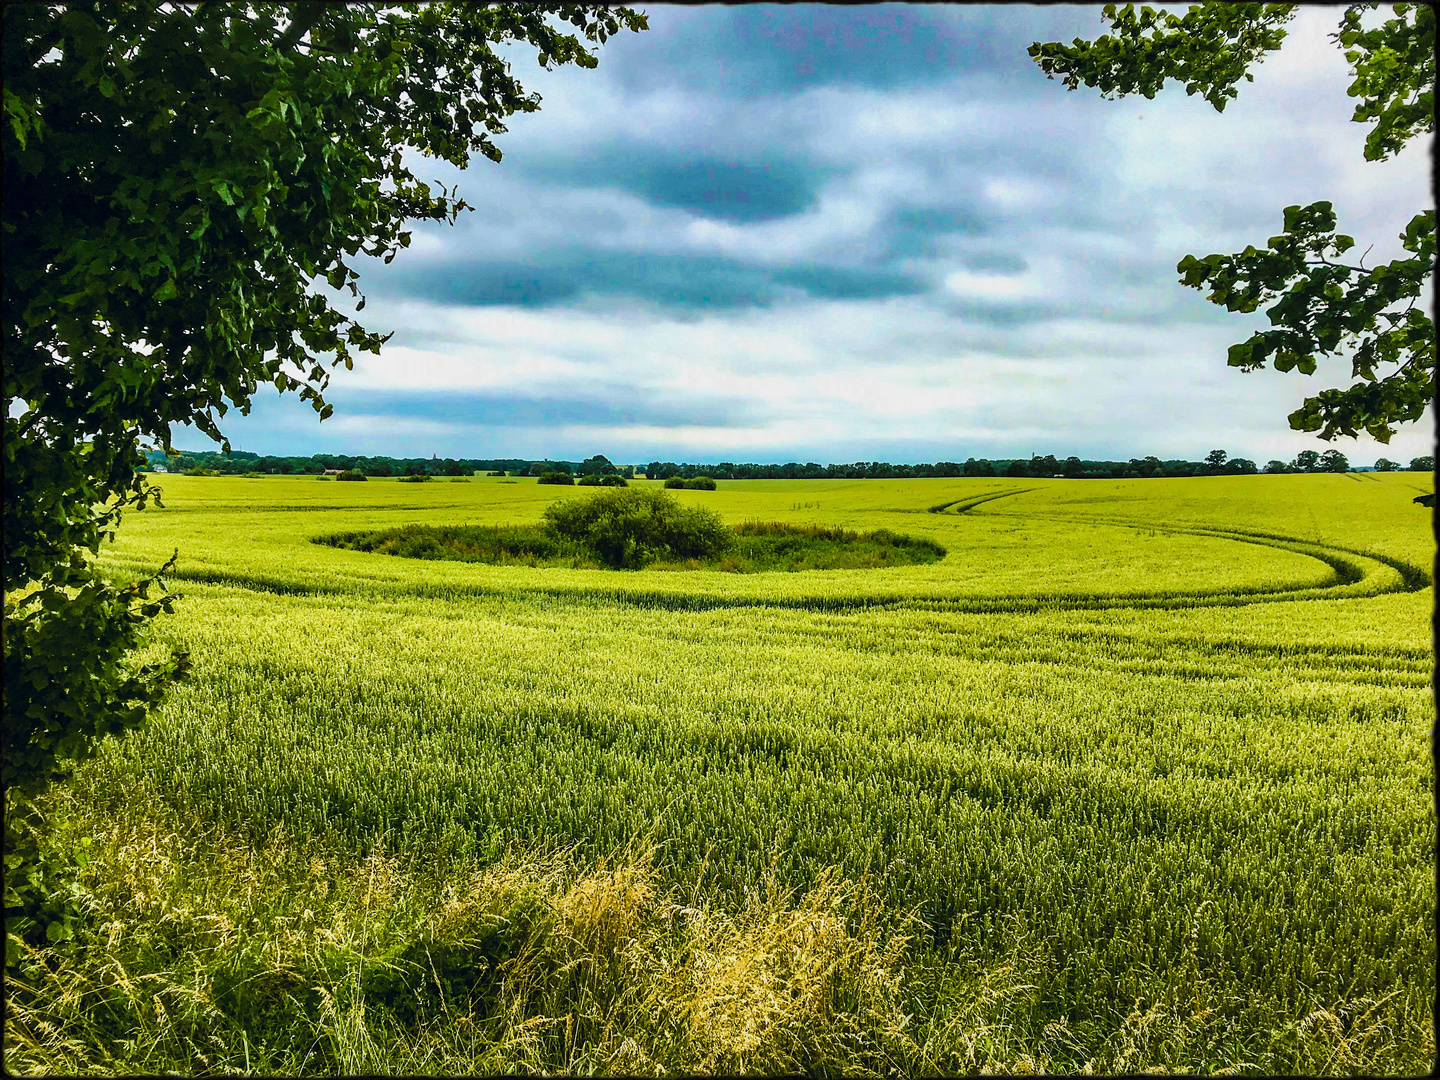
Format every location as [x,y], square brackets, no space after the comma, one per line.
[211,959]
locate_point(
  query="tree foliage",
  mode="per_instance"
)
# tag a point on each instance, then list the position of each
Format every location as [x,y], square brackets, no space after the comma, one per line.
[186,192]
[629,527]
[1319,305]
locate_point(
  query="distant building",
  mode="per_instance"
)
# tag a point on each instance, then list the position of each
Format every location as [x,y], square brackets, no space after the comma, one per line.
[333,472]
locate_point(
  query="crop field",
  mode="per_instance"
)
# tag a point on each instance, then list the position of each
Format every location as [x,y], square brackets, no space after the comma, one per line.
[1138,775]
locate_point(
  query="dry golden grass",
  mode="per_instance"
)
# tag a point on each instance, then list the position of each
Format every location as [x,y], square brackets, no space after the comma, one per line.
[209,957]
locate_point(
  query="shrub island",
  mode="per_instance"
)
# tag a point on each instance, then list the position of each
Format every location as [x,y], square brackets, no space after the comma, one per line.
[629,529]
[697,483]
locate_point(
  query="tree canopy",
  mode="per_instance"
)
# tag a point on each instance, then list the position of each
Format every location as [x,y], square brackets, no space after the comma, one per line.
[1319,305]
[187,190]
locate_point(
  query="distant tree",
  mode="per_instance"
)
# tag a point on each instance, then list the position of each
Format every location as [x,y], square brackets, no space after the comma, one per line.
[599,465]
[628,472]
[700,483]
[1240,467]
[454,468]
[415,468]
[1334,461]
[1274,466]
[1307,461]
[1423,464]
[351,474]
[675,482]
[1386,465]
[1017,468]
[1215,461]
[555,478]
[1322,306]
[1073,467]
[380,468]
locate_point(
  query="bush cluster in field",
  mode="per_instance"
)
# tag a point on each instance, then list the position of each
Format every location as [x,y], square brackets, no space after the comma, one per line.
[503,545]
[695,483]
[647,528]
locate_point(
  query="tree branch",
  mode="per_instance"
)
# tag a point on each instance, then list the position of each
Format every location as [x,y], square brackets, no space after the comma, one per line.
[306,15]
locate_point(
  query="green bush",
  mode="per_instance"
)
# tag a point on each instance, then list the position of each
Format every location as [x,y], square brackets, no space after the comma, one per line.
[414,478]
[556,478]
[599,480]
[675,482]
[352,474]
[758,547]
[700,483]
[628,528]
[498,544]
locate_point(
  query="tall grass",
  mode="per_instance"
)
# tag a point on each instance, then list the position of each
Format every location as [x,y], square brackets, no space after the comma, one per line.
[1135,776]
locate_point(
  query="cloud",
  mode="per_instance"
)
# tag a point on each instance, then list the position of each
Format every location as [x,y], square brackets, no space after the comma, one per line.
[841,233]
[667,281]
[720,188]
[603,406]
[745,50]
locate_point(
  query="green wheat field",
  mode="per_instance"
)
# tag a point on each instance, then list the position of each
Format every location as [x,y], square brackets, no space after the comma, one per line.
[1138,776]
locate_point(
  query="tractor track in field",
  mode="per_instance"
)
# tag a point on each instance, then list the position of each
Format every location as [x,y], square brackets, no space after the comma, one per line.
[1352,569]
[1340,558]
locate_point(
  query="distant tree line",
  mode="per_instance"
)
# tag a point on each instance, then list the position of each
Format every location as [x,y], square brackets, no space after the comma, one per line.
[1216,463]
[242,461]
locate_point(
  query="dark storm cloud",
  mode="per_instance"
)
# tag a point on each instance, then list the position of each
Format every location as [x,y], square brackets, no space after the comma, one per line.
[592,204]
[562,277]
[595,406]
[765,49]
[726,190]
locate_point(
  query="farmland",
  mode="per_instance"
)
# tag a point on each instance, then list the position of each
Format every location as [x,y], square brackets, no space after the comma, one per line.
[1137,775]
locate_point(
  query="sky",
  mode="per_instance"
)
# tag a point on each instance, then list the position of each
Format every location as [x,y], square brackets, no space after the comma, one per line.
[844,233]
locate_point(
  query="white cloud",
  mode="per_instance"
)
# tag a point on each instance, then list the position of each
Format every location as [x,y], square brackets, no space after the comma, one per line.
[1057,324]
